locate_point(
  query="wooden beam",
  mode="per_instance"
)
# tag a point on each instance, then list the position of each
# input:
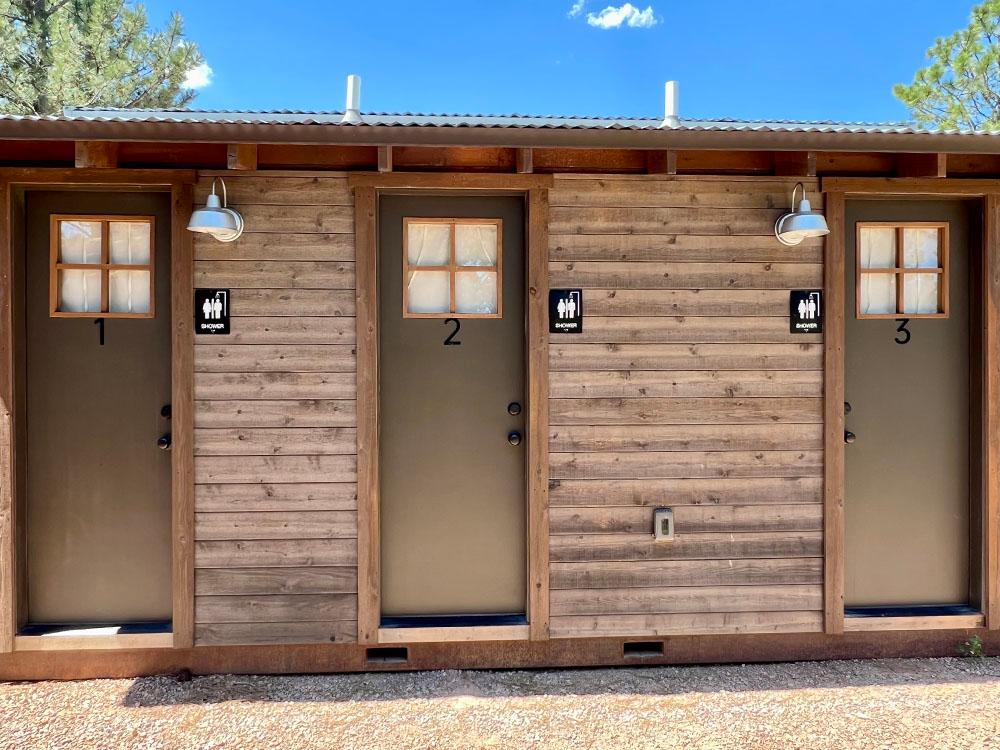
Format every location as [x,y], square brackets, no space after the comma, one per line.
[991,412]
[661,162]
[833,463]
[795,163]
[538,414]
[973,188]
[8,576]
[96,155]
[241,156]
[366,302]
[524,161]
[463,181]
[385,158]
[922,165]
[61,177]
[182,416]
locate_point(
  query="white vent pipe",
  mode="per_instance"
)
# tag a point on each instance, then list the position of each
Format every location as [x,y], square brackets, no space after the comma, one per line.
[671,97]
[352,109]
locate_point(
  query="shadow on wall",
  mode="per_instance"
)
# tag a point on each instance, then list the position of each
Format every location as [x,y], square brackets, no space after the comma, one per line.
[643,681]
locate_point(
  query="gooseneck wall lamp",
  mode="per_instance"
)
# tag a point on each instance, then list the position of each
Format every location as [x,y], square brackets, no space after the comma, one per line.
[797,225]
[216,218]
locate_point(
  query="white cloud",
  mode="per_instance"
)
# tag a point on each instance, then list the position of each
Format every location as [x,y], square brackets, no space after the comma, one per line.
[627,14]
[198,77]
[577,8]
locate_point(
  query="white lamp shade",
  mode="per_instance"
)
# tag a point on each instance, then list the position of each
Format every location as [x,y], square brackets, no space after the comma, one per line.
[214,219]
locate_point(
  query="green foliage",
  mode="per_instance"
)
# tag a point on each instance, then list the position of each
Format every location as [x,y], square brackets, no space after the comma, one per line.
[89,53]
[972,648]
[961,86]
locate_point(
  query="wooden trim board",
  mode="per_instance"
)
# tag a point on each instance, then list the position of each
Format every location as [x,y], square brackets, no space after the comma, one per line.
[445,635]
[521,654]
[943,622]
[990,333]
[8,567]
[449,181]
[182,414]
[538,413]
[366,301]
[93,642]
[833,417]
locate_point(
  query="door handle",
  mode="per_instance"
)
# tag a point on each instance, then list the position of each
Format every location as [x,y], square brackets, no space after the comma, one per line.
[514,438]
[849,437]
[164,441]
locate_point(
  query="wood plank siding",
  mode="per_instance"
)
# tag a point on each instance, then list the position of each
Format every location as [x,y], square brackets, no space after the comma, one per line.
[275,420]
[686,390]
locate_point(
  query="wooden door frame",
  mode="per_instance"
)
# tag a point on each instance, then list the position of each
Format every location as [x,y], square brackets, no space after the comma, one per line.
[14,182]
[838,190]
[367,189]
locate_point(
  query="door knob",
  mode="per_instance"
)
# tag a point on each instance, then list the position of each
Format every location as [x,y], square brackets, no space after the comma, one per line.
[514,438]
[164,441]
[849,437]
[513,408]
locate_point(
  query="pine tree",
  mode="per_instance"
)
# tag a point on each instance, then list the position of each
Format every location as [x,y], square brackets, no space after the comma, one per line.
[961,86]
[90,53]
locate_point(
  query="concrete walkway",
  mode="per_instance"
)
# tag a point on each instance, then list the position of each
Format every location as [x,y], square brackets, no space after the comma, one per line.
[936,703]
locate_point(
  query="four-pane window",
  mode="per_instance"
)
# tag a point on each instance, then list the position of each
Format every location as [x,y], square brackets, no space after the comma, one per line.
[101,266]
[902,270]
[452,268]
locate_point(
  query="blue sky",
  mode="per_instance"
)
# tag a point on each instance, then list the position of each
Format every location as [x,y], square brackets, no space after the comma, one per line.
[833,59]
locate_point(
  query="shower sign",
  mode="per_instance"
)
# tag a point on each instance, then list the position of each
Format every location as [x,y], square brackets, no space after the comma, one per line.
[565,311]
[805,311]
[211,312]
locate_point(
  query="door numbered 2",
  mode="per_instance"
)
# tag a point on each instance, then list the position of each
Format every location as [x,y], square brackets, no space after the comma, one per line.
[450,339]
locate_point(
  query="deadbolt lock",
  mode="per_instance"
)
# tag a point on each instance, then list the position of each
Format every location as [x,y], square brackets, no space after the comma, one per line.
[513,408]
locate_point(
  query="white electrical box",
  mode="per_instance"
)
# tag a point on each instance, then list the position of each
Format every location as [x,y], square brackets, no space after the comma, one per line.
[663,524]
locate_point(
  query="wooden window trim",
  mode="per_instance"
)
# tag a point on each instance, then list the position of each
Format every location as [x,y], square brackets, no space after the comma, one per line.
[899,271]
[453,268]
[105,266]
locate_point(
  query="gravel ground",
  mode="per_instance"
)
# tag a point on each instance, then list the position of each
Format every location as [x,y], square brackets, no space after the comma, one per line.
[932,703]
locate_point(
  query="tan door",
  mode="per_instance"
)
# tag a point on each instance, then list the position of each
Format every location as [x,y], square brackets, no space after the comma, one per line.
[907,502]
[452,483]
[98,487]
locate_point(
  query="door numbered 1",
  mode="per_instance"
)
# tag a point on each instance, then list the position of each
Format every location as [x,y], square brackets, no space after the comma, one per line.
[903,331]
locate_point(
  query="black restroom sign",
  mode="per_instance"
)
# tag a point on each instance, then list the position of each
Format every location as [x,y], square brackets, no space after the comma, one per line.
[211,311]
[565,311]
[806,311]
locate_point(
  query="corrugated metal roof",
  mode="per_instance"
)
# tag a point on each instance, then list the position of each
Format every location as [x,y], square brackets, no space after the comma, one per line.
[407,119]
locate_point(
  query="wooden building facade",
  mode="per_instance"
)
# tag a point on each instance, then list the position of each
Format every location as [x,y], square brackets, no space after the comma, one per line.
[282,546]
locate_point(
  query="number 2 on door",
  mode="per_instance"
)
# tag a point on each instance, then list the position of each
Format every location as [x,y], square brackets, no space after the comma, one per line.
[451,340]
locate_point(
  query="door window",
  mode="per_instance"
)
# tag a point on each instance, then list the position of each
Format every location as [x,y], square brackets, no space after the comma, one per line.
[452,268]
[101,266]
[902,269]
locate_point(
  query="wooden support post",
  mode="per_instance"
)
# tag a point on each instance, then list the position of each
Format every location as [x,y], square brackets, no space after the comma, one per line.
[991,411]
[922,165]
[8,554]
[525,161]
[795,163]
[96,155]
[366,298]
[241,156]
[661,162]
[833,464]
[385,158]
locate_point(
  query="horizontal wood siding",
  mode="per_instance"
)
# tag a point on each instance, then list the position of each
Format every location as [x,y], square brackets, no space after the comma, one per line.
[275,420]
[686,390]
